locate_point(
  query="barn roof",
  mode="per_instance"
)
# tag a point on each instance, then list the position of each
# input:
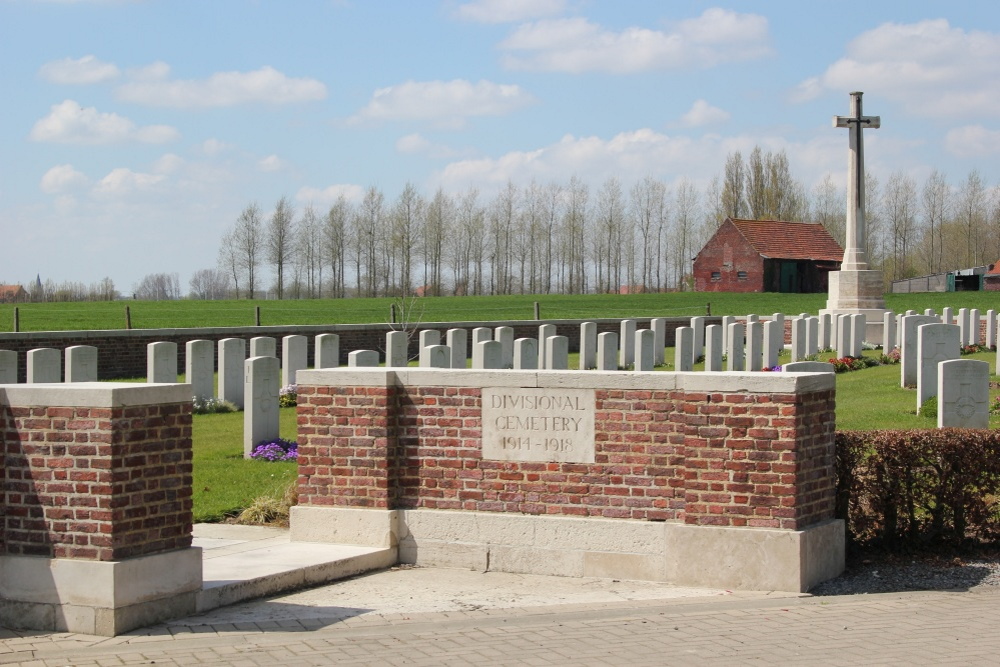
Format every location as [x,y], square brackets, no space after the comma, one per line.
[777,239]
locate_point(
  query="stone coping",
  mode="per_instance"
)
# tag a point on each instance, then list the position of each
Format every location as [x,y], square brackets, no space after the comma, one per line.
[743,381]
[93,394]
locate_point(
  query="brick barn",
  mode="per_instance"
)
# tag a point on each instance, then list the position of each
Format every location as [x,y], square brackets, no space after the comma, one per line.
[767,256]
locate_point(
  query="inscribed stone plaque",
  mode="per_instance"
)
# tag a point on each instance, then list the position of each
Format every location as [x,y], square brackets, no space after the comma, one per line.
[527,424]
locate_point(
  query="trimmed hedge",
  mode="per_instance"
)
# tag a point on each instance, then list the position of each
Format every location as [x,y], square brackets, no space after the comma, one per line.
[906,489]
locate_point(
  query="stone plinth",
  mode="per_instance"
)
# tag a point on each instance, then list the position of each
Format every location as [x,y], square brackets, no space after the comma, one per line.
[858,293]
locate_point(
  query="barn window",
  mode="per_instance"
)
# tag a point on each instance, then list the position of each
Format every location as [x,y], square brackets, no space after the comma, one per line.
[716,276]
[741,275]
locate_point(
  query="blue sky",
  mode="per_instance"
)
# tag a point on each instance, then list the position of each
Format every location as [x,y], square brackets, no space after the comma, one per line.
[134,132]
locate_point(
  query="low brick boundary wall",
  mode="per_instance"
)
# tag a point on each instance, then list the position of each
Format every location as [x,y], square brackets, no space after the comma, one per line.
[747,454]
[97,527]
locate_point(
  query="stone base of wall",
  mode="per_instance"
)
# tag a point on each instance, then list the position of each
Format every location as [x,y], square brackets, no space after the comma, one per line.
[686,555]
[104,598]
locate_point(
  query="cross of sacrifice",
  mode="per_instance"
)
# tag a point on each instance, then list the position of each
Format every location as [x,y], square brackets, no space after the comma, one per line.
[855,256]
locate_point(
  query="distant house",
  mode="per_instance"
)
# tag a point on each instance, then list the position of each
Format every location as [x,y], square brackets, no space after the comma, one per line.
[13,294]
[991,281]
[960,280]
[767,256]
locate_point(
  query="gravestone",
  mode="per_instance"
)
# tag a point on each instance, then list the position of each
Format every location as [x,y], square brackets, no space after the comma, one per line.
[908,359]
[505,336]
[260,414]
[755,346]
[963,394]
[458,343]
[626,338]
[545,331]
[935,343]
[362,359]
[435,356]
[991,328]
[161,362]
[930,311]
[858,327]
[726,321]
[713,348]
[8,367]
[963,325]
[698,338]
[808,367]
[888,332]
[845,340]
[327,351]
[526,354]
[799,335]
[430,337]
[607,351]
[487,354]
[946,317]
[825,331]
[774,341]
[199,368]
[974,321]
[397,349]
[644,349]
[812,336]
[780,319]
[294,357]
[588,346]
[659,327]
[232,354]
[683,342]
[556,353]
[81,363]
[734,352]
[263,346]
[834,328]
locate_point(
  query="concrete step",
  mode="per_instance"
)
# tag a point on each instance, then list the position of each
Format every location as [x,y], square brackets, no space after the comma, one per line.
[246,562]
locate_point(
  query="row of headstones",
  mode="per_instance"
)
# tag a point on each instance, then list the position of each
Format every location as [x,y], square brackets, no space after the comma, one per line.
[45,365]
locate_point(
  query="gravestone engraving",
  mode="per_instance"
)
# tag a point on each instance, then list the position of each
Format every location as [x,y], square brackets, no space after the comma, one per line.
[435,356]
[161,362]
[232,354]
[81,363]
[430,337]
[397,349]
[487,354]
[263,346]
[908,359]
[458,343]
[963,394]
[362,359]
[713,348]
[260,414]
[327,351]
[526,354]
[294,357]
[199,368]
[607,351]
[935,343]
[556,353]
[588,346]
[682,348]
[539,425]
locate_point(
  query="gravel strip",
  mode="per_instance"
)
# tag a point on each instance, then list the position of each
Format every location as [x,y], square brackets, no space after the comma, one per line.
[916,575]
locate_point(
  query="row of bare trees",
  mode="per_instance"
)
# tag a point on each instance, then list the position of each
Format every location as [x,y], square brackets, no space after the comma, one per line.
[567,238]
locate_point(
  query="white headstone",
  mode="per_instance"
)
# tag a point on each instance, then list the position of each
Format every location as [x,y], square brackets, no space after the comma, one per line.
[682,348]
[713,347]
[81,363]
[556,353]
[607,351]
[946,317]
[659,327]
[545,331]
[908,359]
[263,346]
[430,337]
[774,341]
[232,354]
[974,327]
[734,353]
[858,325]
[991,328]
[526,354]
[435,356]
[644,350]
[812,336]
[260,414]
[726,321]
[588,346]
[199,368]
[799,338]
[930,312]
[825,331]
[698,338]
[8,367]
[888,332]
[845,339]
[963,325]
[935,343]
[458,343]
[963,394]
[161,362]
[327,351]
[487,354]
[294,357]
[755,346]
[362,359]
[626,338]
[505,336]
[397,349]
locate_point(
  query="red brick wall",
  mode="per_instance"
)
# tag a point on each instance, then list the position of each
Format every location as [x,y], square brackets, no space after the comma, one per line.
[96,483]
[713,459]
[728,262]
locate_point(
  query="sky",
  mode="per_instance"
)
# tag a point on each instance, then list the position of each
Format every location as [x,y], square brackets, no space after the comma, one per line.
[134,132]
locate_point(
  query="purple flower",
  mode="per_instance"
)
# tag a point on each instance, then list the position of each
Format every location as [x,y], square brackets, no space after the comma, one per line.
[278,449]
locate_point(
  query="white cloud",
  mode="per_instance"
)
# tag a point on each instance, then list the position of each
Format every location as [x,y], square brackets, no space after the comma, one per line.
[323,198]
[412,143]
[508,11]
[82,71]
[929,67]
[123,181]
[702,113]
[168,164]
[271,163]
[446,103]
[70,123]
[577,45]
[61,178]
[972,141]
[150,86]
[214,147]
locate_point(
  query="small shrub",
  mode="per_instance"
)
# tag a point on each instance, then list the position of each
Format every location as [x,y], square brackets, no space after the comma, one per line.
[288,396]
[278,449]
[973,349]
[212,405]
[892,357]
[929,408]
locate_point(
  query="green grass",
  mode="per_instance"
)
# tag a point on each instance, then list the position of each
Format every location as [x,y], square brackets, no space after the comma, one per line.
[185,314]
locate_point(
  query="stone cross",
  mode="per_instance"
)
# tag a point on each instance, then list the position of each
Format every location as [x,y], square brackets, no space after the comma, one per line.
[855,256]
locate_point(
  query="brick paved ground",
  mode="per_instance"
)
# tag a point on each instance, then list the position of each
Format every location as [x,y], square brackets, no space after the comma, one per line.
[915,628]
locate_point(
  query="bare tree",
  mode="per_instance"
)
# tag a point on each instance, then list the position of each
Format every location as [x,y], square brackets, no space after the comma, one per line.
[900,208]
[971,213]
[407,221]
[438,225]
[210,284]
[936,205]
[733,186]
[280,241]
[158,287]
[829,208]
[685,234]
[243,248]
[335,245]
[575,218]
[648,203]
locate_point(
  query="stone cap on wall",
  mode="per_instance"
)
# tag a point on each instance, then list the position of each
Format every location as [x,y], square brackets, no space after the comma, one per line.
[93,394]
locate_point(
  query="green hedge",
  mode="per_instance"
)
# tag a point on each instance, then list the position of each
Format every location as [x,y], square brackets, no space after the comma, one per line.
[907,489]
